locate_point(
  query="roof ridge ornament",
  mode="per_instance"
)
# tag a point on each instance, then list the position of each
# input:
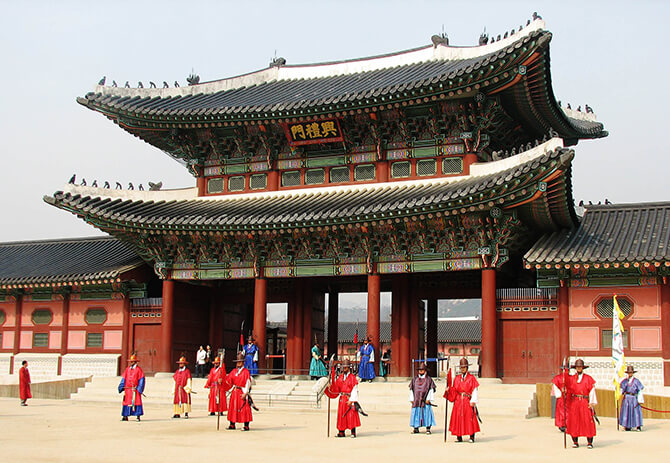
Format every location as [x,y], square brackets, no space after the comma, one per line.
[193,78]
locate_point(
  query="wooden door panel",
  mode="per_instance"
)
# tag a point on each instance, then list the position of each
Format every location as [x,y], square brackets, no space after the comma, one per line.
[514,358]
[146,339]
[540,348]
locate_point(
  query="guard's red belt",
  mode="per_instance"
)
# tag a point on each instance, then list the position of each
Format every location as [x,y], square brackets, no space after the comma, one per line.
[580,396]
[465,394]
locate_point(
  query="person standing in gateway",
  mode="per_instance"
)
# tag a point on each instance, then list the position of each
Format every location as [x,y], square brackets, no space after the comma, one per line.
[317,368]
[200,360]
[251,356]
[24,383]
[366,359]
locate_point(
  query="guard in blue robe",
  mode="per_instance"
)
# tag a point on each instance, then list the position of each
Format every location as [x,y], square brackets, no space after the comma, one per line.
[631,394]
[251,357]
[366,361]
[421,393]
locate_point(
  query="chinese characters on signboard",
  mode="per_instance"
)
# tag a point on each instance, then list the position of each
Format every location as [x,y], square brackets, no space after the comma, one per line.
[311,132]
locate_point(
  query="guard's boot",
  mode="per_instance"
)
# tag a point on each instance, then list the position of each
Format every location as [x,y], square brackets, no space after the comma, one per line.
[124,418]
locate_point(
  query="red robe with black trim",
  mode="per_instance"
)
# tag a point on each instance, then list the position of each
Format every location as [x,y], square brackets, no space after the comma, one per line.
[24,383]
[580,416]
[562,403]
[463,421]
[217,384]
[132,376]
[239,410]
[181,378]
[347,417]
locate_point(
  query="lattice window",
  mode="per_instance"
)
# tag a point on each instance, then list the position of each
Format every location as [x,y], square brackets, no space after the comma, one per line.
[400,169]
[40,339]
[426,167]
[42,316]
[364,172]
[93,339]
[215,185]
[3,317]
[452,165]
[315,176]
[290,178]
[605,307]
[96,316]
[454,350]
[606,339]
[339,174]
[258,182]
[236,183]
[475,350]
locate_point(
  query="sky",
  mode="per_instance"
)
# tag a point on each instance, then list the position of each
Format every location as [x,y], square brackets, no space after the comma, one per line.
[611,55]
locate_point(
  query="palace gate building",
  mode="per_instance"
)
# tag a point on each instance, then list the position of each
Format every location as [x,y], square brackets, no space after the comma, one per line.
[429,173]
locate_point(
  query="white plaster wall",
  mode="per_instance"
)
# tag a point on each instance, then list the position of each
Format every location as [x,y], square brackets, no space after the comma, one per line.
[82,365]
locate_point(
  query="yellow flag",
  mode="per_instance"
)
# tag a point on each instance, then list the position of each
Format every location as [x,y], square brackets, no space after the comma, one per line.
[617,348]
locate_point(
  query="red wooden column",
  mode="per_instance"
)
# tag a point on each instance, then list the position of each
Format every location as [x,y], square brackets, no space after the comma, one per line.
[413,304]
[167,315]
[17,329]
[489,323]
[290,335]
[431,334]
[563,321]
[297,325]
[665,329]
[64,331]
[403,361]
[125,347]
[374,283]
[395,326]
[333,320]
[201,183]
[260,320]
[307,339]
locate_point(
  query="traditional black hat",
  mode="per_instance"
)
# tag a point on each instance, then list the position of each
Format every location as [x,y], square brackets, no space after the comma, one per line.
[630,370]
[579,363]
[463,362]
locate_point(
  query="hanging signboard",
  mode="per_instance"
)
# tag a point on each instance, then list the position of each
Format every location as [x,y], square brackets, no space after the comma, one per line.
[313,132]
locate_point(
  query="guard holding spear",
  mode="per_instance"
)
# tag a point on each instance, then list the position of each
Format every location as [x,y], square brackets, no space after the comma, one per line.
[182,389]
[463,393]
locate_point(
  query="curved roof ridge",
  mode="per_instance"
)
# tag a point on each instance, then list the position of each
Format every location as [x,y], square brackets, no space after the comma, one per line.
[332,68]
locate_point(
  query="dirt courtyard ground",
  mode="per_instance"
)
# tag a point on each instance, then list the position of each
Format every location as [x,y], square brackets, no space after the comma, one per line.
[64,431]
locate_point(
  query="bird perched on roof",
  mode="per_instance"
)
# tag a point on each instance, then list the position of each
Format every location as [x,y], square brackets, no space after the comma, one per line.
[505,35]
[165,84]
[83,182]
[73,178]
[140,187]
[579,108]
[152,85]
[581,203]
[568,106]
[95,183]
[536,16]
[130,186]
[139,85]
[127,84]
[102,81]
[441,39]
[155,186]
[118,186]
[106,185]
[176,84]
[588,108]
[607,201]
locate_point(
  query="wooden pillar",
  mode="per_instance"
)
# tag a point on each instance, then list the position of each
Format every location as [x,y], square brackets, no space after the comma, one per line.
[260,320]
[395,326]
[563,321]
[201,183]
[290,335]
[299,327]
[468,160]
[17,329]
[382,171]
[404,357]
[273,180]
[167,316]
[665,329]
[125,342]
[307,338]
[489,324]
[333,321]
[64,331]
[431,333]
[413,304]
[374,283]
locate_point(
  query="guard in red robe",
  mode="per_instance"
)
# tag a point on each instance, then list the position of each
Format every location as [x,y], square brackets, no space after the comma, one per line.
[558,390]
[217,385]
[24,383]
[346,388]
[132,385]
[582,391]
[182,389]
[239,408]
[464,394]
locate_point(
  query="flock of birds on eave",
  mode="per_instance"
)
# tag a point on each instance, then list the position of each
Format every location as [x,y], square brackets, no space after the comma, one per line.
[118,186]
